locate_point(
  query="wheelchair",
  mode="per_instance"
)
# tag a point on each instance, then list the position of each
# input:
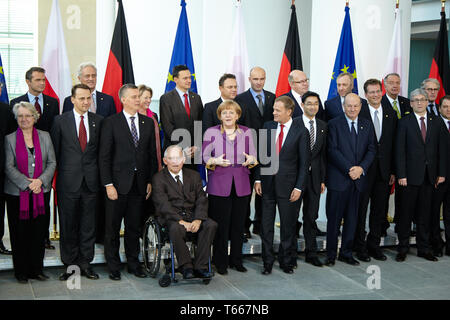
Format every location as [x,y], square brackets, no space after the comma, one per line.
[154,239]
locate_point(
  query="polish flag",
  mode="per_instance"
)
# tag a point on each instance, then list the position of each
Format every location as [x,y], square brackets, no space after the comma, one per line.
[394,60]
[238,64]
[58,81]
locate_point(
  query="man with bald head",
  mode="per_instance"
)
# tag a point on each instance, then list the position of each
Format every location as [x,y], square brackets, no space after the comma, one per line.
[257,108]
[335,106]
[351,146]
[299,83]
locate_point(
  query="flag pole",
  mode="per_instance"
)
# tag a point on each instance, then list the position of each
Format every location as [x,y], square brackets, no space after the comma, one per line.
[293,2]
[347,3]
[397,4]
[443,5]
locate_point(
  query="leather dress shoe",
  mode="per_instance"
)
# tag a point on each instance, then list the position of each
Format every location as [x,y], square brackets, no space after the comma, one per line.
[188,273]
[89,273]
[22,279]
[114,275]
[400,257]
[428,256]
[267,269]
[349,260]
[363,256]
[247,234]
[377,255]
[287,269]
[238,267]
[438,252]
[447,252]
[256,229]
[202,273]
[48,245]
[3,250]
[65,276]
[320,233]
[40,277]
[222,270]
[138,272]
[314,260]
[330,262]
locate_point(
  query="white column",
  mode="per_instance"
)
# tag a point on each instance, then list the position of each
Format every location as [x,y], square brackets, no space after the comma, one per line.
[106,18]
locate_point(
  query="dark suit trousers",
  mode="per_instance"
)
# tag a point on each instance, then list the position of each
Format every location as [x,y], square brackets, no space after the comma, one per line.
[128,207]
[287,253]
[439,196]
[229,213]
[446,216]
[27,237]
[341,204]
[100,217]
[311,202]
[258,208]
[416,199]
[377,192]
[77,226]
[2,215]
[205,237]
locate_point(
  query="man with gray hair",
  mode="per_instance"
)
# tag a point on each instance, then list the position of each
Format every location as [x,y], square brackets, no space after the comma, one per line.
[102,103]
[432,87]
[421,164]
[392,97]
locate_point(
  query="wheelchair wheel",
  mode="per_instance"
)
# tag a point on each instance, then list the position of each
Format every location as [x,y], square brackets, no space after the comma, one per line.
[165,281]
[151,246]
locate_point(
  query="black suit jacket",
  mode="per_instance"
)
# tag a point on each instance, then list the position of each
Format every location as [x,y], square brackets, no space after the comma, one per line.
[50,110]
[118,157]
[251,116]
[173,115]
[318,155]
[105,104]
[210,118]
[414,158]
[334,108]
[298,110]
[171,202]
[447,134]
[404,104]
[384,158]
[74,165]
[293,160]
[7,126]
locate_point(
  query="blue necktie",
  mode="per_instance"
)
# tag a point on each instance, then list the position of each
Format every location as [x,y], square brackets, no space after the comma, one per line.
[353,137]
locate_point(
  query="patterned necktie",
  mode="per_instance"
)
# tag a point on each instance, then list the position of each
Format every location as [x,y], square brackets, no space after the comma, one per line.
[448,122]
[423,128]
[134,132]
[180,184]
[399,115]
[376,124]
[38,107]
[260,104]
[93,107]
[82,135]
[186,105]
[431,109]
[280,139]
[311,134]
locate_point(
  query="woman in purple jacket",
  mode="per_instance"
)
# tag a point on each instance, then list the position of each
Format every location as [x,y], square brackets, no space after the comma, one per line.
[229,153]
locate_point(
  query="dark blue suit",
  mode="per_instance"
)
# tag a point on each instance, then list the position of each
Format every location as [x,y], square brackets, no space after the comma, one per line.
[105,104]
[298,112]
[333,107]
[343,192]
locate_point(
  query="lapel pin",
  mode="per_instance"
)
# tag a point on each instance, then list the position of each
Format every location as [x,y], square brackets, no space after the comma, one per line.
[101,98]
[361,128]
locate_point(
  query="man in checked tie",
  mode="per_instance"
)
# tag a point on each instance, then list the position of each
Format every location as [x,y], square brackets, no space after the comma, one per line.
[288,148]
[421,164]
[351,147]
[75,137]
[127,163]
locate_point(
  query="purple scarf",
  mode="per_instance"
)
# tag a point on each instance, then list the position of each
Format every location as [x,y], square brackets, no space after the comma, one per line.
[22,165]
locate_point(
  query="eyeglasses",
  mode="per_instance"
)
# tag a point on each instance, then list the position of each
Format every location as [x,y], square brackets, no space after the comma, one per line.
[310,104]
[419,100]
[301,81]
[432,89]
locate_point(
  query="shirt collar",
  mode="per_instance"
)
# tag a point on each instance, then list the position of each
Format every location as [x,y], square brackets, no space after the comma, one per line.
[350,121]
[306,120]
[180,174]
[287,125]
[127,115]
[296,95]
[32,97]
[79,115]
[254,93]
[181,93]
[391,100]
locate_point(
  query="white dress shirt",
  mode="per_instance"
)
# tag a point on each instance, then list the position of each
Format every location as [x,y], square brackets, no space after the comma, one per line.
[181,94]
[85,121]
[136,121]
[286,128]
[32,100]
[179,174]
[298,98]
[424,120]
[306,121]
[380,116]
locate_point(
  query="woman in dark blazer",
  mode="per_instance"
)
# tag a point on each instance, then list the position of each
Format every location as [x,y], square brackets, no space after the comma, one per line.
[229,153]
[29,168]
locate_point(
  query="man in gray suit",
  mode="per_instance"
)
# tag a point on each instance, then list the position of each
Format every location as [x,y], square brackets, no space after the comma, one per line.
[179,109]
[75,138]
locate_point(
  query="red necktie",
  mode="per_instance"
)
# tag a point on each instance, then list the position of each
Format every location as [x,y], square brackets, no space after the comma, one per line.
[38,107]
[82,135]
[186,105]
[280,139]
[423,128]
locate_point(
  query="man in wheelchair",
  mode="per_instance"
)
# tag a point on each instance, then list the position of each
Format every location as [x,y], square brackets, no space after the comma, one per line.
[182,207]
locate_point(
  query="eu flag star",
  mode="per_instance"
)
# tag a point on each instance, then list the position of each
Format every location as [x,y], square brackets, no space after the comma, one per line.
[169,77]
[354,74]
[345,68]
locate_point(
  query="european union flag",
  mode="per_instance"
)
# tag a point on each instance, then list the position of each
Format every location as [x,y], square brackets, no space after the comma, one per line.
[345,57]
[4,95]
[182,51]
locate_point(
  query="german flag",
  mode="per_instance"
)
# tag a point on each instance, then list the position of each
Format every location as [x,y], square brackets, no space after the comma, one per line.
[119,69]
[292,57]
[440,68]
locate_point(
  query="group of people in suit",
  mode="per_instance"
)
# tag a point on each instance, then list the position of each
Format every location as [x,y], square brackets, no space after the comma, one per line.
[288,150]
